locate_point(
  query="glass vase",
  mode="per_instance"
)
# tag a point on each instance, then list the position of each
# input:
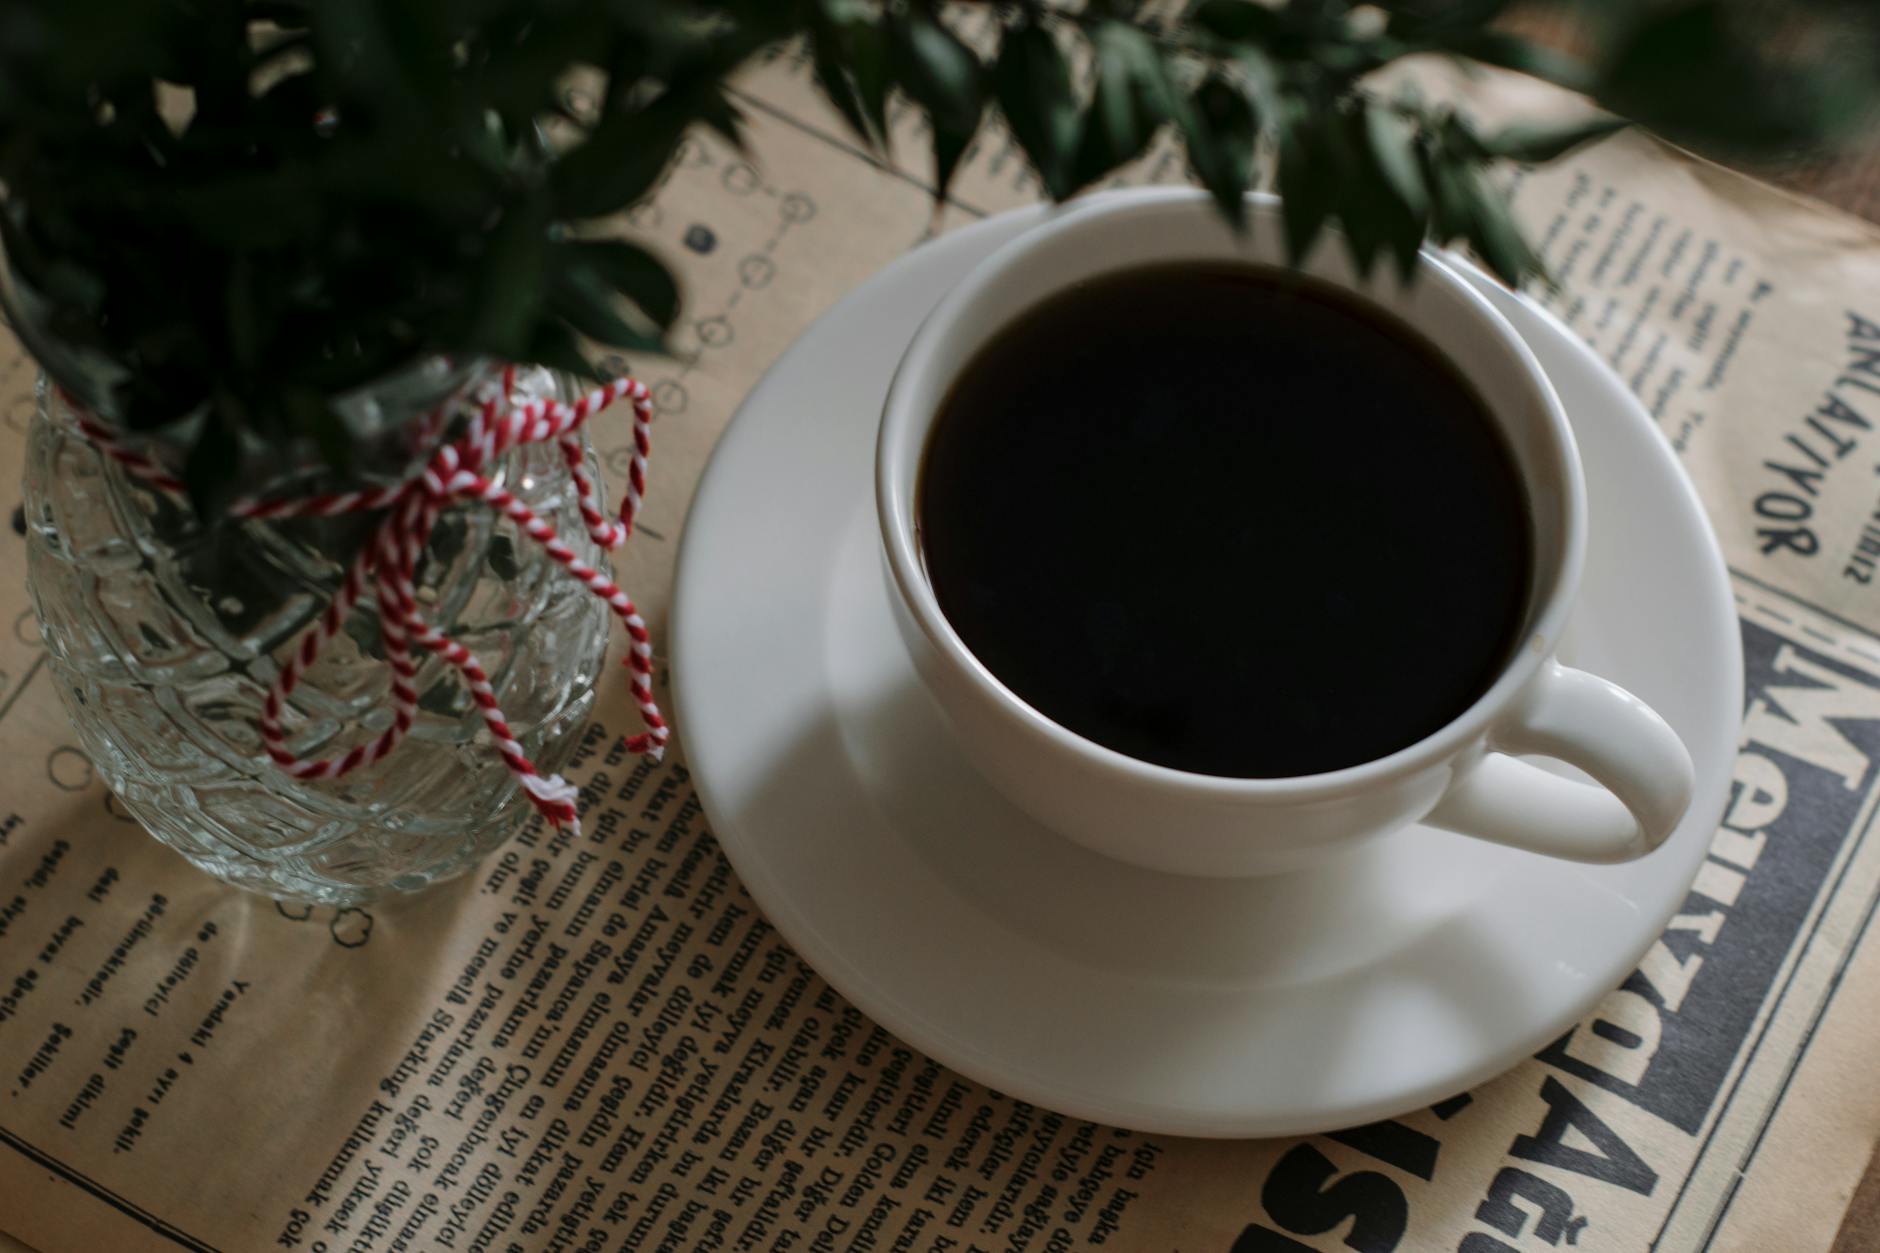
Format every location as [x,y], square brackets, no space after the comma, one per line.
[163,635]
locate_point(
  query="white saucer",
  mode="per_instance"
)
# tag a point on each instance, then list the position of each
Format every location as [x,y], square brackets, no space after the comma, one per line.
[1400,976]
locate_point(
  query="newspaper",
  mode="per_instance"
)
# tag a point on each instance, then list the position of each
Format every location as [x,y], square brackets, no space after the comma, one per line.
[599,1043]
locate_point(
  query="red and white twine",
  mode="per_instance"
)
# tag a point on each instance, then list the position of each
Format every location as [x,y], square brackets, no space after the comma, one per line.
[459,470]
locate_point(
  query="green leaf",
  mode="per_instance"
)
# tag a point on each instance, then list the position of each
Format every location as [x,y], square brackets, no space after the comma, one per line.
[1032,81]
[1405,243]
[844,11]
[1307,181]
[586,302]
[1420,19]
[1392,145]
[633,272]
[940,72]
[1221,133]
[1261,79]
[359,60]
[946,79]
[617,164]
[1237,20]
[1455,136]
[868,70]
[509,285]
[723,119]
[1452,198]
[1494,234]
[1535,144]
[1128,104]
[949,149]
[72,286]
[552,344]
[851,64]
[422,36]
[832,76]
[1465,206]
[244,317]
[1387,208]
[292,14]
[1367,209]
[624,157]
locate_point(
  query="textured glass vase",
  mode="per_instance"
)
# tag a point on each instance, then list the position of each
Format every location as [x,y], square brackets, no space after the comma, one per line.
[163,635]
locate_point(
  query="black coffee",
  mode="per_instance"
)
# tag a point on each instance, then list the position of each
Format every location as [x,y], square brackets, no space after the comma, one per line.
[1226,519]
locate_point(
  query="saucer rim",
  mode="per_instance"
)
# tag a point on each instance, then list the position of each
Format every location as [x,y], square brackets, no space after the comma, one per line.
[945,1042]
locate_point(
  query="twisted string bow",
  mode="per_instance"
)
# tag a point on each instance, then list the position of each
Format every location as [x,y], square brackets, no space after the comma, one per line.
[459,470]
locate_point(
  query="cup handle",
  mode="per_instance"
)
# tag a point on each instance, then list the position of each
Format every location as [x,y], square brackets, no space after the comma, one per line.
[1643,768]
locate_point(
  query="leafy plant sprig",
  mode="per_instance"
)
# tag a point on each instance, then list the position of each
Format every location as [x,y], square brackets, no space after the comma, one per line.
[245,208]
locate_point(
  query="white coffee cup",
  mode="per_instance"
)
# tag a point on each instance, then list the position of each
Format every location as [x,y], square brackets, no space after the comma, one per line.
[1461,778]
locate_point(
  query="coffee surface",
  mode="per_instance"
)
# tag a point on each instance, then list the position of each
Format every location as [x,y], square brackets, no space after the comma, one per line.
[1226,519]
